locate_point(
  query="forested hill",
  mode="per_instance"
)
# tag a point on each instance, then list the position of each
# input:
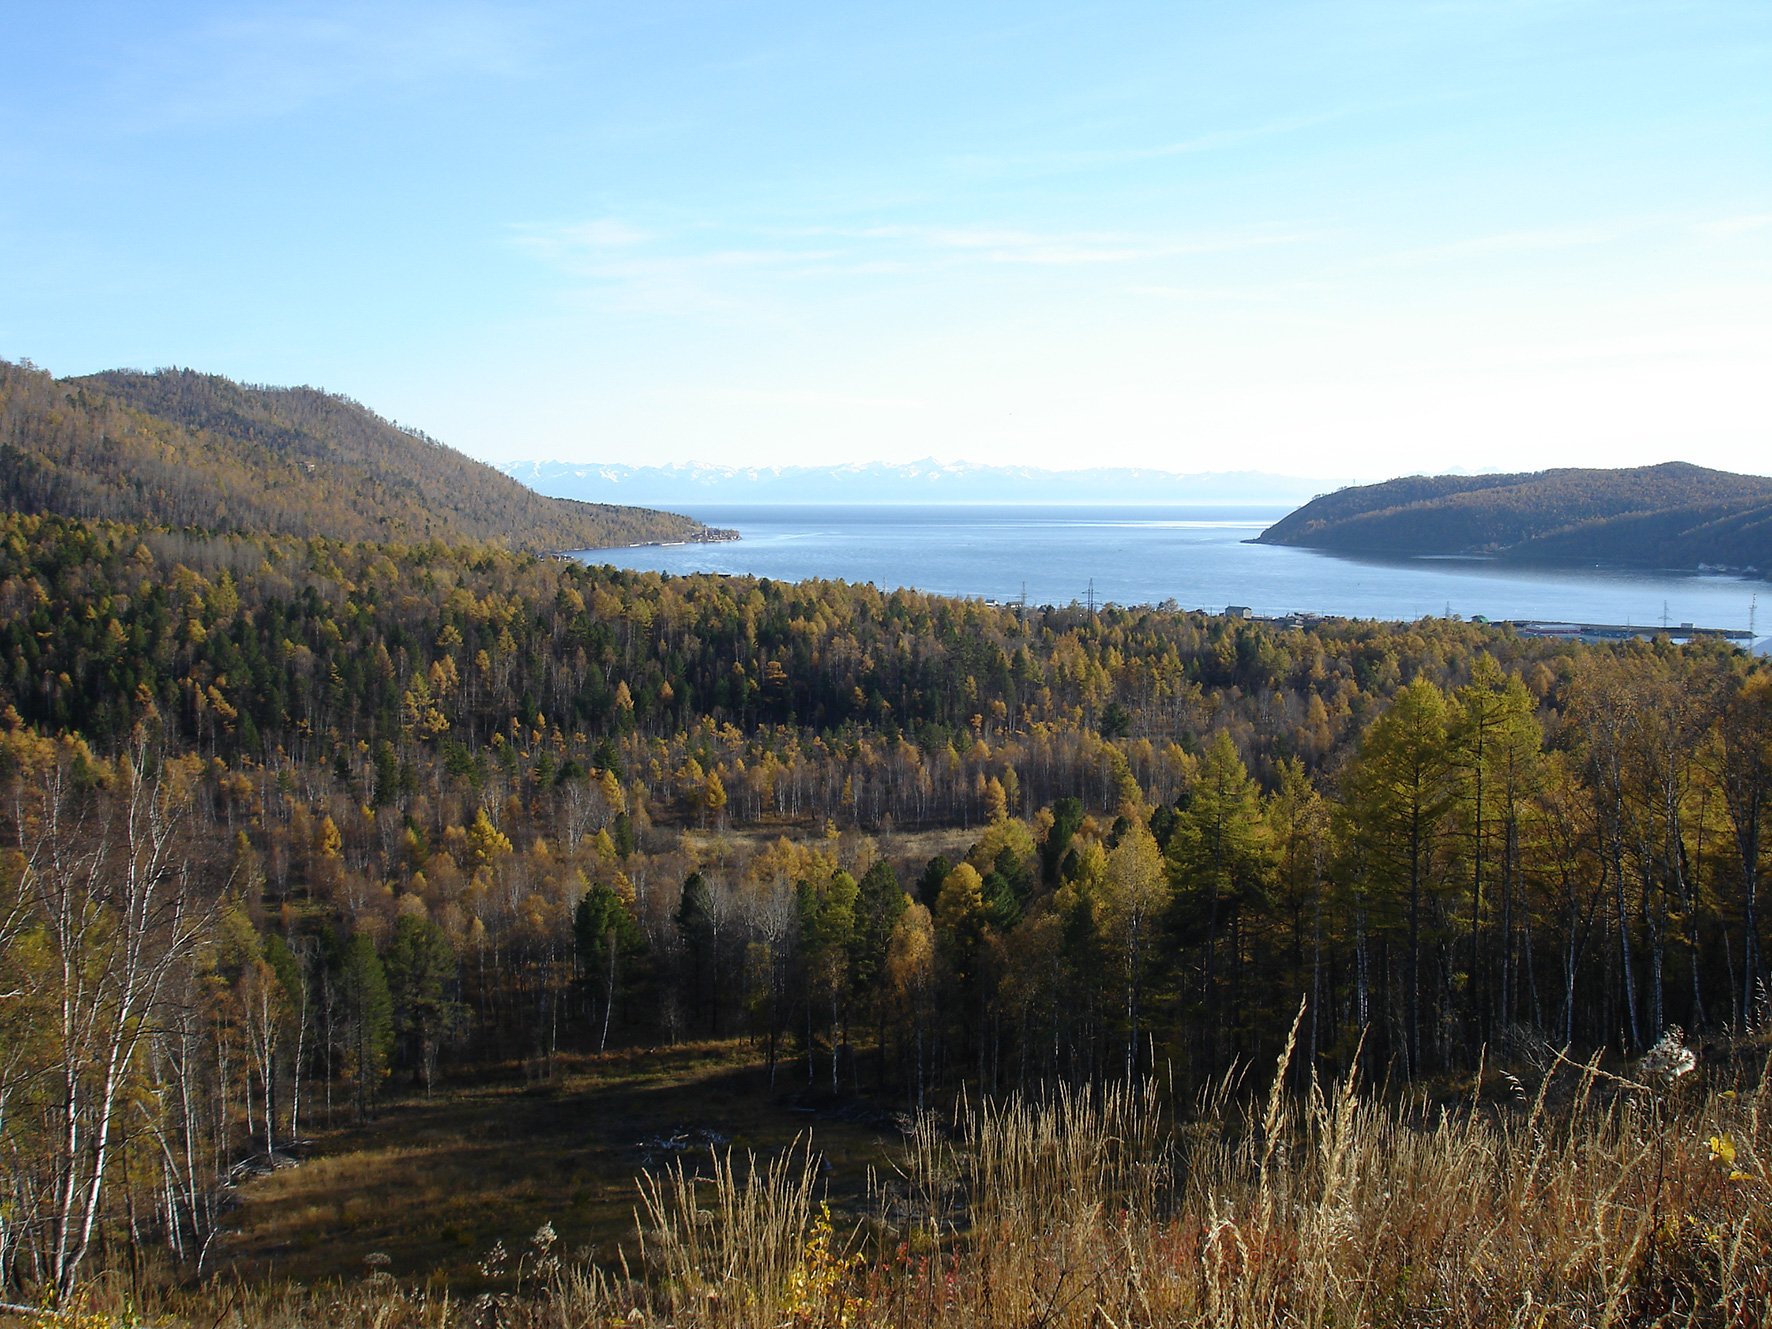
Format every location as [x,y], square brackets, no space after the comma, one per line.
[1673,515]
[182,449]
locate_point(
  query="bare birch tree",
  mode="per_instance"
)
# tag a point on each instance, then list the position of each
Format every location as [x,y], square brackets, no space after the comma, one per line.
[112,920]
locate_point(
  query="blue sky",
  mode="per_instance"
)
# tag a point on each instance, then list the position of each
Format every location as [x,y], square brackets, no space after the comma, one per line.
[1350,239]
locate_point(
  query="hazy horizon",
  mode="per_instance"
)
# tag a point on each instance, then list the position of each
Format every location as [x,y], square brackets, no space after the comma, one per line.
[514,464]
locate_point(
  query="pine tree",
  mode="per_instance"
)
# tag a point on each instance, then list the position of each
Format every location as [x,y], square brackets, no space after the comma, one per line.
[421,971]
[1395,797]
[367,1023]
[605,935]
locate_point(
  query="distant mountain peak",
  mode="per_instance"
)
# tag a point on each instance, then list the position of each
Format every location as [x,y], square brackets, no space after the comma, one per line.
[924,480]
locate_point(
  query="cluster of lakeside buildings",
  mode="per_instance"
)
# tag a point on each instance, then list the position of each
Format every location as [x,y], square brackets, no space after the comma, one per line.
[1594,632]
[1624,632]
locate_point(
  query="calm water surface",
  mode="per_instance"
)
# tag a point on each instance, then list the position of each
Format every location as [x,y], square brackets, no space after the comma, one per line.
[1194,556]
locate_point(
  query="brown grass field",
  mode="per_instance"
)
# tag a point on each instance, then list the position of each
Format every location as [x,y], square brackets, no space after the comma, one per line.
[432,1185]
[1580,1197]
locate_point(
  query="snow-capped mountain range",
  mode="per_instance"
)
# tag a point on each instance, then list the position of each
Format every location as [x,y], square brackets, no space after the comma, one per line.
[928,481]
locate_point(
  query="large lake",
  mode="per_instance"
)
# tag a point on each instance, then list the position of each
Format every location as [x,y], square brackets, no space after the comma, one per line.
[1194,556]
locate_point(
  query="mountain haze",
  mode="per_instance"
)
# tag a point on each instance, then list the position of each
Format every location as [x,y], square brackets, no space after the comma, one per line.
[179,448]
[1672,516]
[926,481]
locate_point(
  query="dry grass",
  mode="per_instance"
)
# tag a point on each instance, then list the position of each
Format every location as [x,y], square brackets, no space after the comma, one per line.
[432,1185]
[1585,1199]
[727,1244]
[1621,1204]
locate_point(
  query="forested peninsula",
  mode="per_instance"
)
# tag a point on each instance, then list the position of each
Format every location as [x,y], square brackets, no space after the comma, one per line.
[181,449]
[472,935]
[1674,516]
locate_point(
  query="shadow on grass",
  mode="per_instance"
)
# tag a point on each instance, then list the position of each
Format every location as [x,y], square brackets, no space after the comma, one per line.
[433,1184]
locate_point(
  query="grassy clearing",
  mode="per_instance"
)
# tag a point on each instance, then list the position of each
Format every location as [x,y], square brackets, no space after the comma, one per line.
[433,1185]
[909,849]
[1580,1199]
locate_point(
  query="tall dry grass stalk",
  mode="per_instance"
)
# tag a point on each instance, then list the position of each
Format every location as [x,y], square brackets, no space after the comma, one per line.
[723,1246]
[1589,1199]
[1592,1200]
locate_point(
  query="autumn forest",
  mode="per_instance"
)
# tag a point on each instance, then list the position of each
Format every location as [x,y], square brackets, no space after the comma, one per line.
[298,825]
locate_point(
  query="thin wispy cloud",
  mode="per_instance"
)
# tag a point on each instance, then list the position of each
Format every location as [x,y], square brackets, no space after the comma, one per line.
[269,61]
[576,241]
[640,256]
[816,399]
[1504,244]
[1093,158]
[1221,139]
[646,270]
[1267,294]
[1086,248]
[610,247]
[1642,352]
[1728,228]
[719,272]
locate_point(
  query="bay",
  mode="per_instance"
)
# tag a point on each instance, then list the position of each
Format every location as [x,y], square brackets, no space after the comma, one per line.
[1193,557]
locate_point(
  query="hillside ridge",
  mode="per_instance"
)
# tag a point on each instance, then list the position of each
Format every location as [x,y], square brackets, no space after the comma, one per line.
[1674,515]
[179,448]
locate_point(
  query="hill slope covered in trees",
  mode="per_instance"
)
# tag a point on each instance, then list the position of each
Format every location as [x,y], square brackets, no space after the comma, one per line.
[183,449]
[1674,515]
[288,826]
[314,848]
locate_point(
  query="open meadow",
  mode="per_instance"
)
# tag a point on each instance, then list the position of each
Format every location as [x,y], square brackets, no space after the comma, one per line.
[426,1190]
[1576,1196]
